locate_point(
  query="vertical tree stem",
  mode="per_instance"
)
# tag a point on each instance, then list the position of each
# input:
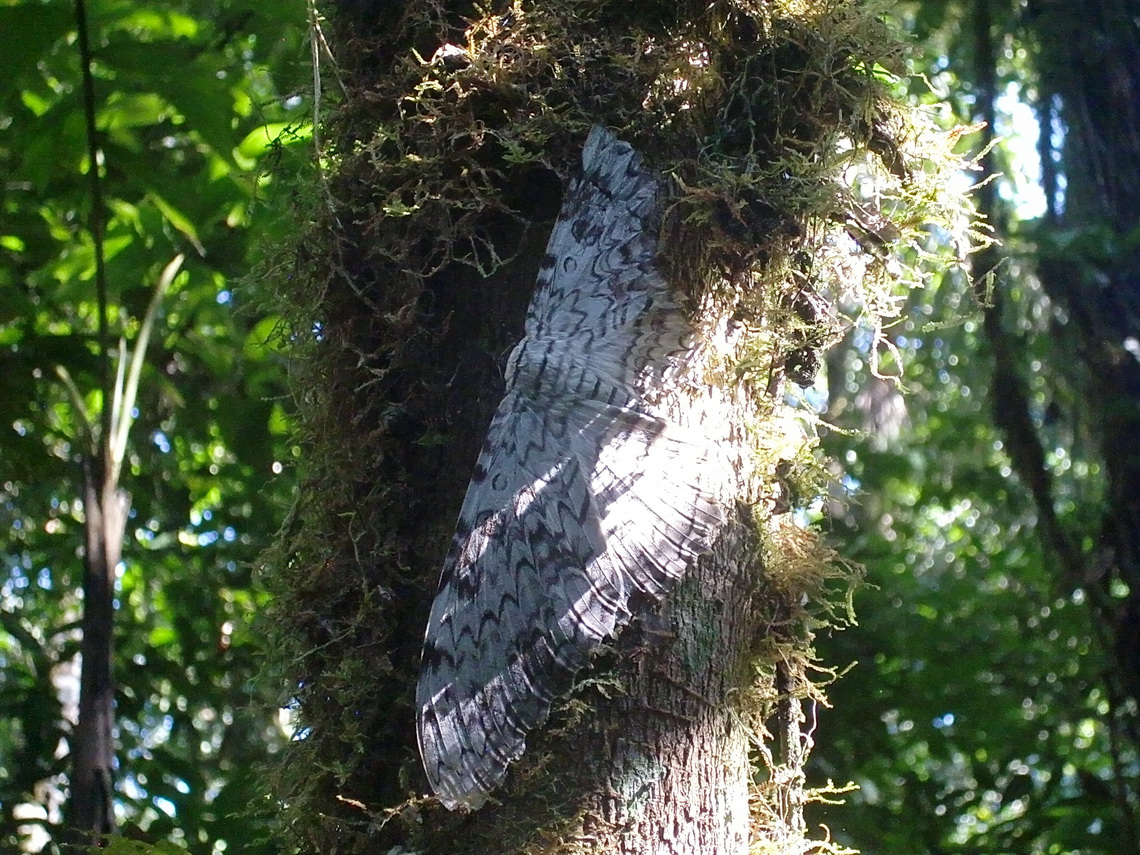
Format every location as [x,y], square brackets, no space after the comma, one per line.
[96,221]
[91,812]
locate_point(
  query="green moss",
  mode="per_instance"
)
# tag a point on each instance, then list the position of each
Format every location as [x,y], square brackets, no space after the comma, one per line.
[800,183]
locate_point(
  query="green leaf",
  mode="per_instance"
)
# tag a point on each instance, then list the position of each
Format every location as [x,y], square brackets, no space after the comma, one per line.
[27,33]
[179,220]
[268,136]
[132,110]
[184,78]
[124,846]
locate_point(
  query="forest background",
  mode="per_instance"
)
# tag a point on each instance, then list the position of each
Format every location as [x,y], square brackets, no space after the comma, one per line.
[988,694]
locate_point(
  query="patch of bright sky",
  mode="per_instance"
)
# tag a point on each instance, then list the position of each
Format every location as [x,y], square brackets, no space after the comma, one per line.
[1018,128]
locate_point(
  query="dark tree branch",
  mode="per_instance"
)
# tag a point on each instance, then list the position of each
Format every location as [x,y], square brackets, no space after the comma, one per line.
[96,221]
[1010,393]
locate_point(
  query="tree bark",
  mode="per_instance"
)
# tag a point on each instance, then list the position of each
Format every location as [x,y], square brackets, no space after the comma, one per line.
[458,133]
[675,778]
[91,804]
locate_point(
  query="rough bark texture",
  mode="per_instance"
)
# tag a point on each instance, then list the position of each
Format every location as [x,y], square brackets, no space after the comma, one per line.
[652,758]
[680,780]
[677,774]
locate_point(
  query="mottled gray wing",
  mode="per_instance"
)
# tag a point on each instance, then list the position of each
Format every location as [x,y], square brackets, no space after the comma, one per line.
[609,277]
[580,497]
[600,294]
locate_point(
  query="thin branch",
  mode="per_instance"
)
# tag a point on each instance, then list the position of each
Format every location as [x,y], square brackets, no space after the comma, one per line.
[315,39]
[96,223]
[318,45]
[118,448]
[87,426]
[117,391]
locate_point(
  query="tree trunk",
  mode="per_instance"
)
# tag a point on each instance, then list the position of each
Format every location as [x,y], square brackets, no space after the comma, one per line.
[459,131]
[670,751]
[105,507]
[1095,70]
[92,746]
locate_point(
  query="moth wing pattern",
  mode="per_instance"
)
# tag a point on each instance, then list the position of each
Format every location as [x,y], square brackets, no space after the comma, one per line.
[581,496]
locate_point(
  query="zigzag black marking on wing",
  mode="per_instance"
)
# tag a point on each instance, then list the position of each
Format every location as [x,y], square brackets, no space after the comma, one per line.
[580,498]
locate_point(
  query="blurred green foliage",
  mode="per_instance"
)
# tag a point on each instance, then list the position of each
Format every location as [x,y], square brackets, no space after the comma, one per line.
[976,718]
[198,106]
[973,718]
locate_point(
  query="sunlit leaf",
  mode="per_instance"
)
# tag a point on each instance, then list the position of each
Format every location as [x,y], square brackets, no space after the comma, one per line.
[179,220]
[262,139]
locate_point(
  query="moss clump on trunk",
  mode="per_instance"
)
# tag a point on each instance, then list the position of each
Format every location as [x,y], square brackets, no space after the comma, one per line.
[453,129]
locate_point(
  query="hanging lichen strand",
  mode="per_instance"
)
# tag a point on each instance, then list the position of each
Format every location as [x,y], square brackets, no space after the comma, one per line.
[799,205]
